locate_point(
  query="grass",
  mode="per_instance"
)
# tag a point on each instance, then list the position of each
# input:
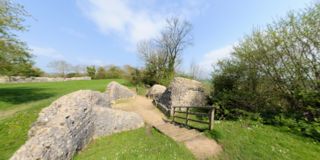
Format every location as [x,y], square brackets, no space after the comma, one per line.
[136,144]
[246,140]
[21,103]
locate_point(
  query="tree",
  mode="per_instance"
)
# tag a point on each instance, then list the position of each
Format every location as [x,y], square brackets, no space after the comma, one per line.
[164,54]
[101,73]
[14,53]
[274,72]
[195,71]
[91,71]
[114,72]
[60,66]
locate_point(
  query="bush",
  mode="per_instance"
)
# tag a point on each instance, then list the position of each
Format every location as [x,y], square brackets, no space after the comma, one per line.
[273,73]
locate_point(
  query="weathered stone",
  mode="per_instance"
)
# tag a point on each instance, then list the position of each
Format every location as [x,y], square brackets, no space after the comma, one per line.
[117,91]
[64,127]
[183,92]
[70,122]
[156,91]
[21,79]
[4,79]
[110,121]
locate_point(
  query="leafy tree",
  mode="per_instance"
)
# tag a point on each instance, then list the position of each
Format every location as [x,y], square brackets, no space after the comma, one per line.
[114,72]
[14,54]
[60,66]
[101,73]
[91,71]
[275,72]
[163,55]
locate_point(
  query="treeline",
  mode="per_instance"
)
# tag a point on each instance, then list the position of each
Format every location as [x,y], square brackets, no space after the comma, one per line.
[274,75]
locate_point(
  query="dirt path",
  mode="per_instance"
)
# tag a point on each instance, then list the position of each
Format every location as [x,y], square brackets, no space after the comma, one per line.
[201,146]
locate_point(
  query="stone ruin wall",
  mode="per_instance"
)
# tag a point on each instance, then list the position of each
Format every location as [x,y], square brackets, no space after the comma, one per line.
[20,79]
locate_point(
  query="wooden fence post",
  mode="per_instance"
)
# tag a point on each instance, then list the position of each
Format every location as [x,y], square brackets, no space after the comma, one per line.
[211,119]
[187,116]
[172,112]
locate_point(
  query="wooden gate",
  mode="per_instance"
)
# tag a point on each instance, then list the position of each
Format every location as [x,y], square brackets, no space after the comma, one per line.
[187,110]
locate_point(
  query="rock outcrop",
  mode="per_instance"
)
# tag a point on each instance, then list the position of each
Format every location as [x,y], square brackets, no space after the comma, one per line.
[183,92]
[156,91]
[109,121]
[70,122]
[116,91]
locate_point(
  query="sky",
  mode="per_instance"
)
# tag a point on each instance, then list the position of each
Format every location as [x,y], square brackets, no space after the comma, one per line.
[105,32]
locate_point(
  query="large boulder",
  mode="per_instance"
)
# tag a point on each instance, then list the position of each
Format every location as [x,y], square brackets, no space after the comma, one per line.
[156,91]
[183,92]
[111,121]
[70,122]
[116,91]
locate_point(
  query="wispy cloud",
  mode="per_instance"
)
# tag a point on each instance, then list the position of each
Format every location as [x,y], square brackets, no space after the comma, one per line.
[47,52]
[136,20]
[73,32]
[211,58]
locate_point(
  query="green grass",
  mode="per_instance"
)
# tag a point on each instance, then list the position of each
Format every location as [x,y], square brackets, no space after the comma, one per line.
[136,144]
[246,140]
[21,103]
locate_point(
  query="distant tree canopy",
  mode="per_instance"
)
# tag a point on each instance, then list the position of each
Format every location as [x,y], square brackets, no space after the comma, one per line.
[15,58]
[60,66]
[91,71]
[275,72]
[162,55]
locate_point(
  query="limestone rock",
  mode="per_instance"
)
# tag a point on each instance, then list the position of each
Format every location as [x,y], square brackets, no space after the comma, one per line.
[64,127]
[183,92]
[70,122]
[110,121]
[156,91]
[22,79]
[116,91]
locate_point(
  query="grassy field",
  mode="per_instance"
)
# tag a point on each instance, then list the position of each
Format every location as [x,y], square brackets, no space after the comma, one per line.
[139,144]
[21,103]
[247,140]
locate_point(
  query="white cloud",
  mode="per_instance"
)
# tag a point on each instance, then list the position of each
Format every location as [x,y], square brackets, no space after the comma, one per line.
[136,20]
[211,58]
[72,32]
[50,53]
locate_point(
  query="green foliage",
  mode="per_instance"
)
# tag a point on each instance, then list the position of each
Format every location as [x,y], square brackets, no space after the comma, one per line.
[73,74]
[91,71]
[114,72]
[21,103]
[274,72]
[137,144]
[101,73]
[162,55]
[249,140]
[14,54]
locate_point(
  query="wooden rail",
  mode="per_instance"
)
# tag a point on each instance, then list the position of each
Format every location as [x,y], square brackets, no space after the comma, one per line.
[186,110]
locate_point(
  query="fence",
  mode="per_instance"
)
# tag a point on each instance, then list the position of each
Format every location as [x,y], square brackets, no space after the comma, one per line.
[187,111]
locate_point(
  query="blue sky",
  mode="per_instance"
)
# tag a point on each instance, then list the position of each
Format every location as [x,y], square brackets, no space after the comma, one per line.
[103,32]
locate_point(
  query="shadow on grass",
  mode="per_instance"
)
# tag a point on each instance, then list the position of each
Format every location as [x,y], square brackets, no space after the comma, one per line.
[18,95]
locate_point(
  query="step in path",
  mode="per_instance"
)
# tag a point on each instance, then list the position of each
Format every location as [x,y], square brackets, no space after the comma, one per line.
[201,146]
